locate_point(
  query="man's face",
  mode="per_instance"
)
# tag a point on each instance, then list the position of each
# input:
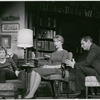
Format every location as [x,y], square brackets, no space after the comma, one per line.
[84,45]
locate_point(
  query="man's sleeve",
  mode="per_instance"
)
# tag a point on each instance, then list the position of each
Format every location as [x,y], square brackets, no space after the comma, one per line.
[89,59]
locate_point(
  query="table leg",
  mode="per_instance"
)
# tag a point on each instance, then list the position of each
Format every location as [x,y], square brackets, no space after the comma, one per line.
[29,70]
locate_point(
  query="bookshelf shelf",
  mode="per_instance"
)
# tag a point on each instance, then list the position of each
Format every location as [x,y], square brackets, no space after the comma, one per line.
[45,27]
[48,39]
[45,30]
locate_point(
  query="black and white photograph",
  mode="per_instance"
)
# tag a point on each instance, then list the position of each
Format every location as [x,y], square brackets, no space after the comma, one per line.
[49,49]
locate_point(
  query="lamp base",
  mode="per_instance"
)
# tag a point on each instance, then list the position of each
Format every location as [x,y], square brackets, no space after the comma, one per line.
[25,55]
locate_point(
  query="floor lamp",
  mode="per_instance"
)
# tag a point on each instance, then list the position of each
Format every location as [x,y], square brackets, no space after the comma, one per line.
[25,40]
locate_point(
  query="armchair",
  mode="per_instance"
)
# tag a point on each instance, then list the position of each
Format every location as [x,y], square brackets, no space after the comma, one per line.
[56,79]
[20,82]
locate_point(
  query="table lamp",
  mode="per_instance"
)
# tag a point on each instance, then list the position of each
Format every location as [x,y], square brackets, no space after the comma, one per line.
[25,40]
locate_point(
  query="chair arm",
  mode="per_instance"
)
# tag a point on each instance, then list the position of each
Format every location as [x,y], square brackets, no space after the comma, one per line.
[22,76]
[65,70]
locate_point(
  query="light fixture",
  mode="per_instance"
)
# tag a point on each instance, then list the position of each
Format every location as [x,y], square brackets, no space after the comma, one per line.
[25,40]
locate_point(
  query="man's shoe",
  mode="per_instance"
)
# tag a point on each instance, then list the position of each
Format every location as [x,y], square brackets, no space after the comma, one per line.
[80,96]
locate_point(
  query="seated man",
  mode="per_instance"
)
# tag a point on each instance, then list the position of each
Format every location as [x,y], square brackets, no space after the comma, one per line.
[89,67]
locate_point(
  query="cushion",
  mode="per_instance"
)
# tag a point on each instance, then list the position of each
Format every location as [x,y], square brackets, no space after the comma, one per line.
[20,84]
[7,89]
[8,86]
[53,77]
[91,81]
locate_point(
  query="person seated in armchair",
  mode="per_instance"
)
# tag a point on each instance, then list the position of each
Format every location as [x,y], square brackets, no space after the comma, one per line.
[89,67]
[53,67]
[8,68]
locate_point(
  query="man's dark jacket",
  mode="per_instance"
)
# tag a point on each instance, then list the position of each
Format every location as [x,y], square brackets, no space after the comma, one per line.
[93,59]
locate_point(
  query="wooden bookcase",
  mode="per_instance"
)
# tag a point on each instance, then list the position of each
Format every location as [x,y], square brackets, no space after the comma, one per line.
[70,19]
[45,19]
[45,28]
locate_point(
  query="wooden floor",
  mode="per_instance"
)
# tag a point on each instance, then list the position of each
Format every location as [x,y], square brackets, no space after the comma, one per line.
[71,96]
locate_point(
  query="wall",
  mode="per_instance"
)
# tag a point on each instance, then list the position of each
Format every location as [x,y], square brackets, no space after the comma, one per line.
[14,9]
[74,30]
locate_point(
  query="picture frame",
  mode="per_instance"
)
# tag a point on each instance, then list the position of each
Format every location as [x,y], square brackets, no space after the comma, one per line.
[9,27]
[5,41]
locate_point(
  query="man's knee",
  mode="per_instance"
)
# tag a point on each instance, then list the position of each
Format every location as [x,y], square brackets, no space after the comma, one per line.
[2,74]
[78,68]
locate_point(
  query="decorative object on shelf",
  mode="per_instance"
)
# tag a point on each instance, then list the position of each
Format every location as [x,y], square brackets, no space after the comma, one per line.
[25,40]
[5,40]
[83,9]
[9,27]
[11,18]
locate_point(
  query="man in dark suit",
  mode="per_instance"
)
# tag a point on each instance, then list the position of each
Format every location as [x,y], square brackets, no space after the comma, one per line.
[89,67]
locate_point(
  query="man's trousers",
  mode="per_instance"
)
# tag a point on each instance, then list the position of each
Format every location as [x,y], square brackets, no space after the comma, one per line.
[81,73]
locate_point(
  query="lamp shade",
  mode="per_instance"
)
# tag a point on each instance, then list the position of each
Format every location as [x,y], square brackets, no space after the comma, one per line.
[25,38]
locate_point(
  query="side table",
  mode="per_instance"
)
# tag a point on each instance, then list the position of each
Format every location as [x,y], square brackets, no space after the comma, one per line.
[28,68]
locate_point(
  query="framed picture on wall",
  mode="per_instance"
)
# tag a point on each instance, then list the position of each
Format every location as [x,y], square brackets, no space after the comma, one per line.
[5,41]
[9,27]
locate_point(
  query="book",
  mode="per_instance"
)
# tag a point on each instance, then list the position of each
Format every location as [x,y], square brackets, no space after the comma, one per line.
[39,44]
[49,22]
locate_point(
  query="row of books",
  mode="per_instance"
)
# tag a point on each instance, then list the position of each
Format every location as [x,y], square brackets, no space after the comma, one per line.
[47,34]
[82,12]
[52,6]
[46,22]
[45,45]
[47,7]
[66,9]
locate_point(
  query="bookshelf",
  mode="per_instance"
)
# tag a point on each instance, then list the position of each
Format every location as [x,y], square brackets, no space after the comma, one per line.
[46,30]
[46,18]
[82,9]
[71,19]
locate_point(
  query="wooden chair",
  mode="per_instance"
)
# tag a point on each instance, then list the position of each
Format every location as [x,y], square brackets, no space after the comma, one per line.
[20,82]
[56,79]
[93,83]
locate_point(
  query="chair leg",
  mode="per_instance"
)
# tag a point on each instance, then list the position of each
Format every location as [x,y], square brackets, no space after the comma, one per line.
[67,88]
[16,93]
[3,98]
[16,97]
[22,94]
[52,85]
[86,92]
[56,85]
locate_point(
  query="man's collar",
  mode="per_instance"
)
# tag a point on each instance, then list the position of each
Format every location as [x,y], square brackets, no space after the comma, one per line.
[92,45]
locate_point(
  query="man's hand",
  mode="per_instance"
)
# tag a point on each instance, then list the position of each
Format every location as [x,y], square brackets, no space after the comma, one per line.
[17,72]
[70,63]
